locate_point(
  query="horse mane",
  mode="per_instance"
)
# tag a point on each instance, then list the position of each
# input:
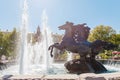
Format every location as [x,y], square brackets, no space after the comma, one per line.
[81,28]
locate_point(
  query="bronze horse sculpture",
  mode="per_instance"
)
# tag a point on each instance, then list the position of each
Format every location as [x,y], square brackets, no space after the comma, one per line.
[75,41]
[70,41]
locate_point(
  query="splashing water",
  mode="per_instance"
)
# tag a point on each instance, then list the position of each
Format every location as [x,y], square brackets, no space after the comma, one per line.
[40,50]
[69,56]
[34,59]
[23,51]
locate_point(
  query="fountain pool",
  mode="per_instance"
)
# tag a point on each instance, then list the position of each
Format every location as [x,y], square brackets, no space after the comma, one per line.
[54,69]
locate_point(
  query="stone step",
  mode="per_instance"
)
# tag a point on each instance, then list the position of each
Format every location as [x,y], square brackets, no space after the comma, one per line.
[61,77]
[85,76]
[44,77]
[26,77]
[105,76]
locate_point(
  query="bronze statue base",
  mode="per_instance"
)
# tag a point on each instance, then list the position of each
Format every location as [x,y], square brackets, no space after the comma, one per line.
[78,66]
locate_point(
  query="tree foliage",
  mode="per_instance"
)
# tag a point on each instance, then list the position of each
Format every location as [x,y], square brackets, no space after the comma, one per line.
[101,32]
[8,43]
[108,34]
[107,54]
[1,42]
[115,38]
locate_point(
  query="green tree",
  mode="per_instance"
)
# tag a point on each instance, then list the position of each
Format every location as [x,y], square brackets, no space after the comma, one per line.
[115,38]
[101,32]
[105,33]
[1,42]
[12,42]
[107,54]
[8,43]
[5,43]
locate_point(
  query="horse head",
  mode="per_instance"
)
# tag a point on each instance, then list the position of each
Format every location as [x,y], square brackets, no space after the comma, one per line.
[100,45]
[66,26]
[109,45]
[104,44]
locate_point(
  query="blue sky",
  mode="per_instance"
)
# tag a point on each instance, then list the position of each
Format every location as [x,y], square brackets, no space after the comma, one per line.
[92,12]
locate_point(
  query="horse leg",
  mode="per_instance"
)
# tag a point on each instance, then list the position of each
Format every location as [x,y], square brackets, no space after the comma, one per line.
[51,52]
[51,48]
[56,45]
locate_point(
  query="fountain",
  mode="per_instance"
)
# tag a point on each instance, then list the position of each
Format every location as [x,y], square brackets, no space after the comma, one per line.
[39,50]
[35,59]
[24,32]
